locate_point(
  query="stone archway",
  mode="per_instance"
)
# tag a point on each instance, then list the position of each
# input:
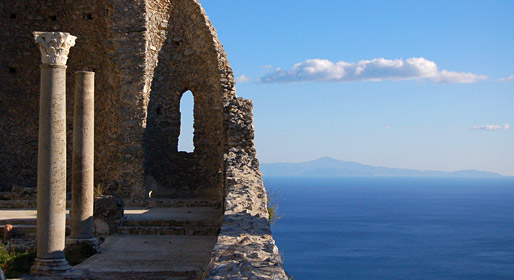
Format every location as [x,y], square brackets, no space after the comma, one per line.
[190,58]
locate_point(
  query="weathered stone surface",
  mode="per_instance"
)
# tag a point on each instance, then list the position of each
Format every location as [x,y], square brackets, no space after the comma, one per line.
[149,257]
[91,21]
[245,248]
[108,214]
[186,55]
[18,193]
[82,201]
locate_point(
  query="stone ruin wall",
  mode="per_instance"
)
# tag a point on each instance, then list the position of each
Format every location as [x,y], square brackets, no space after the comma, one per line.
[187,49]
[19,77]
[245,248]
[146,54]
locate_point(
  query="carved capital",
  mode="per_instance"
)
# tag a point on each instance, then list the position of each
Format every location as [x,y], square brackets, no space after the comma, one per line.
[54,46]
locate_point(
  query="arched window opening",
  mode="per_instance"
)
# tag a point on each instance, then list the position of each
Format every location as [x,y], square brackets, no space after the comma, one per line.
[185,140]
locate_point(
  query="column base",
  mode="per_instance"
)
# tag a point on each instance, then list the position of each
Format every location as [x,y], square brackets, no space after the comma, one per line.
[48,267]
[92,242]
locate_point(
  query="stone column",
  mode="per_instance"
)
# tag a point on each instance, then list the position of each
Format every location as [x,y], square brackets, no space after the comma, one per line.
[51,172]
[82,196]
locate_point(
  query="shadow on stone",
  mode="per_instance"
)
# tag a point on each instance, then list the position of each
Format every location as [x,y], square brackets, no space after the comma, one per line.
[79,252]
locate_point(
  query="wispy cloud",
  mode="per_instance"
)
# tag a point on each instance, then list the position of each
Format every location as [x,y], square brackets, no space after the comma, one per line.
[378,69]
[490,127]
[507,79]
[243,79]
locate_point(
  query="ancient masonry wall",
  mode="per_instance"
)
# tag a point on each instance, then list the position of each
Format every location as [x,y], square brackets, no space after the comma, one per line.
[146,54]
[19,77]
[190,57]
[245,248]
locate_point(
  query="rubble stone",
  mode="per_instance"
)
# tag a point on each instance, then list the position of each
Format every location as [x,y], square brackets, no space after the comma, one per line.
[108,214]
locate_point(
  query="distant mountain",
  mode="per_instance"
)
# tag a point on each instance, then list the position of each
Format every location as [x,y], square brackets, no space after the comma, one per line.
[329,167]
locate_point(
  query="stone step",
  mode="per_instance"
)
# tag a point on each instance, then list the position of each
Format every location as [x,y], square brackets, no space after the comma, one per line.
[24,231]
[181,216]
[21,217]
[177,257]
[18,204]
[135,275]
[175,203]
[18,221]
[20,231]
[172,223]
[207,202]
[161,230]
[23,204]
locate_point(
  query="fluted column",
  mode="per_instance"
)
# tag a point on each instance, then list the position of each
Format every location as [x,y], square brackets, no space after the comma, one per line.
[51,173]
[82,196]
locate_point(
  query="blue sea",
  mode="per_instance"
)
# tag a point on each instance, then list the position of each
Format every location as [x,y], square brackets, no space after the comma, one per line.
[395,228]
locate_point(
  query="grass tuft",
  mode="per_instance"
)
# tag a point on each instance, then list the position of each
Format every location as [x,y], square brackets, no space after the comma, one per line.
[100,190]
[273,209]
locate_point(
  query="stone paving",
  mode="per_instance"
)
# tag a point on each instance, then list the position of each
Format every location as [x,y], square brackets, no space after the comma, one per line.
[153,243]
[150,257]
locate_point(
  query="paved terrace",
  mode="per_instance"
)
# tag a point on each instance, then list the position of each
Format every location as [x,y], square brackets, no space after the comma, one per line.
[154,243]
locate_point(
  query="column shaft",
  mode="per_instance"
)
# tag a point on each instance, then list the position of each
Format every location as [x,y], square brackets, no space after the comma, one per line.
[51,181]
[83,159]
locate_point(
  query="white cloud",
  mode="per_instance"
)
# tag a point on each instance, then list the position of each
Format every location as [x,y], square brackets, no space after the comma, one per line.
[490,127]
[507,79]
[267,66]
[388,126]
[243,79]
[378,69]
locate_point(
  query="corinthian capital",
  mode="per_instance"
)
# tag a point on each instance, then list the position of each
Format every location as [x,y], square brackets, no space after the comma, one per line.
[54,46]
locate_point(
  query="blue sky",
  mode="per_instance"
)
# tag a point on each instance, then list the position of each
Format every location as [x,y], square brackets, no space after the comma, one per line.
[410,84]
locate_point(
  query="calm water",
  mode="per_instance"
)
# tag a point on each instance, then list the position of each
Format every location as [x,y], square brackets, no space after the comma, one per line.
[395,228]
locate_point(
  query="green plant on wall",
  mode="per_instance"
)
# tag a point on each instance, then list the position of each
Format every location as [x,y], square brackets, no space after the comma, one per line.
[273,209]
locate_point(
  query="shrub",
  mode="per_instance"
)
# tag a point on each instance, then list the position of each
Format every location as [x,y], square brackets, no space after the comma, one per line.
[15,264]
